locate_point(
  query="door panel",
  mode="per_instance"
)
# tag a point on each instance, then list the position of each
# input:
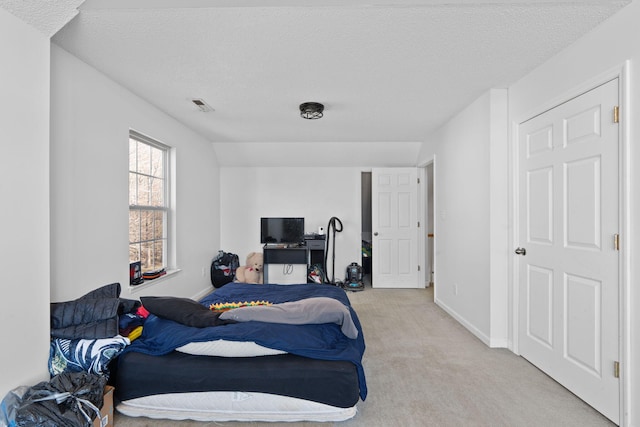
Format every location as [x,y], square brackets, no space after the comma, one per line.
[539,142]
[568,214]
[540,205]
[394,215]
[540,304]
[582,221]
[583,323]
[405,251]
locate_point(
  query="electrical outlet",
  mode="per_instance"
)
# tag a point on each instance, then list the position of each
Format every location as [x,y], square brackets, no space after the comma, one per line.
[203,271]
[455,289]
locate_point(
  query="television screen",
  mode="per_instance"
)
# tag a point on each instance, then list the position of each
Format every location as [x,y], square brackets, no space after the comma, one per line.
[282,230]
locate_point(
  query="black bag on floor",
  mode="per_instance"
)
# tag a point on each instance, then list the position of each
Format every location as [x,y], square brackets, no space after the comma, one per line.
[223,268]
[70,399]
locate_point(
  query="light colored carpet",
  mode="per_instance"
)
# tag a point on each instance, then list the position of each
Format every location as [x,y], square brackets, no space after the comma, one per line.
[424,369]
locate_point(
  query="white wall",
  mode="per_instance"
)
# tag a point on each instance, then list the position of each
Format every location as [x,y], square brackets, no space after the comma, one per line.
[499,244]
[315,193]
[90,121]
[462,217]
[24,191]
[334,154]
[605,48]
[471,217]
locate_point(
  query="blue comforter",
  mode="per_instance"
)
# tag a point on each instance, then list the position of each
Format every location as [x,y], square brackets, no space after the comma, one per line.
[324,341]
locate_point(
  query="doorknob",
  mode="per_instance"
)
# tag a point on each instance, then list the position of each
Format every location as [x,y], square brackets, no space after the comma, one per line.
[521,251]
[375,234]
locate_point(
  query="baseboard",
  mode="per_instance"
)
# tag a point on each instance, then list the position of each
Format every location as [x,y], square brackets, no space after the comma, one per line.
[475,331]
[499,343]
[206,291]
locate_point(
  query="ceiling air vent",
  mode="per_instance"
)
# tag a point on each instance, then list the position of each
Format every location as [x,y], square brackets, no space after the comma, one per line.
[202,106]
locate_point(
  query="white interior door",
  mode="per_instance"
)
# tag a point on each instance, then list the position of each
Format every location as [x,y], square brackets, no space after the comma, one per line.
[394,219]
[568,220]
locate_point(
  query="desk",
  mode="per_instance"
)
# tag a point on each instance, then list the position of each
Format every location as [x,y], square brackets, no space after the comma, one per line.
[315,251]
[285,265]
[290,265]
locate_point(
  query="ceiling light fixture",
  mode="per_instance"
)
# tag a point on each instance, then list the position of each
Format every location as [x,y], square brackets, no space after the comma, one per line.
[311,110]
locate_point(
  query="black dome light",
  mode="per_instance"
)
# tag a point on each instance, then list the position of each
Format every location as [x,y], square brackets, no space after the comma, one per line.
[311,110]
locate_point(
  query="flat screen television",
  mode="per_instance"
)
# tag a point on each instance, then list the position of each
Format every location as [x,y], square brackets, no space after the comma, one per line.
[281,230]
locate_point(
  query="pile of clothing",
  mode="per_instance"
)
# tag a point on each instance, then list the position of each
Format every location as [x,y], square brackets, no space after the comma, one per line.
[89,332]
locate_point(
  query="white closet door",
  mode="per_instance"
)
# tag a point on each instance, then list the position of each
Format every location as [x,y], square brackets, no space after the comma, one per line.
[568,220]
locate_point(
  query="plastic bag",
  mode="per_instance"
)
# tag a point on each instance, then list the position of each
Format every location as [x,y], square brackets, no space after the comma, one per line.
[70,399]
[10,405]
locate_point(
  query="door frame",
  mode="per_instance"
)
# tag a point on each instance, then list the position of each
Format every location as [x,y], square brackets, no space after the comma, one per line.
[422,215]
[624,175]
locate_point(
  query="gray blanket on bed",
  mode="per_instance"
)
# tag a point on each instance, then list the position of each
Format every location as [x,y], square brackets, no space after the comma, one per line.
[305,311]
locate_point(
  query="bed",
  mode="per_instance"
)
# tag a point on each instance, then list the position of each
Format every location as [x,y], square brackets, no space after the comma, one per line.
[283,357]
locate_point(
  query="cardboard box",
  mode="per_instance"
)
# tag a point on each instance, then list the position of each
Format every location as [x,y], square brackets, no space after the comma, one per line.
[106,413]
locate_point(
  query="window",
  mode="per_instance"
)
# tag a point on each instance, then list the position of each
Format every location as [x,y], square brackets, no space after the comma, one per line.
[148,202]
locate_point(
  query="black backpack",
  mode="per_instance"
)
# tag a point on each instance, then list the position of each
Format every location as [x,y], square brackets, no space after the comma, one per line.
[223,268]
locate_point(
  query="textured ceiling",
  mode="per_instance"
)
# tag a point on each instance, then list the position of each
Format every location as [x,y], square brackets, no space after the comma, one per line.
[46,16]
[387,73]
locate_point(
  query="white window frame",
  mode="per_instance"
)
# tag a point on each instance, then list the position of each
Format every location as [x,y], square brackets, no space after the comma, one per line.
[168,255]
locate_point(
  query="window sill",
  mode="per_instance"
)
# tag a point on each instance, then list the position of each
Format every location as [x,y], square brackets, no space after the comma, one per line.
[149,283]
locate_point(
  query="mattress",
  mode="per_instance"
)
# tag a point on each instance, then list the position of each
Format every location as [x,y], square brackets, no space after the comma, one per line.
[271,371]
[226,348]
[328,382]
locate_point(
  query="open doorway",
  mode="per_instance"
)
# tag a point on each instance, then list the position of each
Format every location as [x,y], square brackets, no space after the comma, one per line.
[427,234]
[393,245]
[429,221]
[366,231]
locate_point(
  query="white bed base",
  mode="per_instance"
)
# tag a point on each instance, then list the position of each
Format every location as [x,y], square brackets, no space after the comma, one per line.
[232,406]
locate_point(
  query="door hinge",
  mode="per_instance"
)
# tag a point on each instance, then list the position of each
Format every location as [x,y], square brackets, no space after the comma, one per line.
[616,241]
[418,224]
[616,369]
[418,180]
[616,114]
[418,268]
